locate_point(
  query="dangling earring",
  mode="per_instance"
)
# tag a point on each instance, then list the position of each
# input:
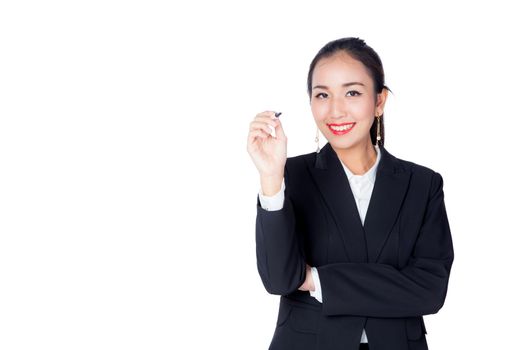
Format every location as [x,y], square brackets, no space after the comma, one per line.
[317,140]
[378,137]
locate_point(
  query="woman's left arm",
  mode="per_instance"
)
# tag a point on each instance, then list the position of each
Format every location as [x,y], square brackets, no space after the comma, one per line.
[381,290]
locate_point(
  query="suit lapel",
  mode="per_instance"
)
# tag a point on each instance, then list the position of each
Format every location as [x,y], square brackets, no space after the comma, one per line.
[362,243]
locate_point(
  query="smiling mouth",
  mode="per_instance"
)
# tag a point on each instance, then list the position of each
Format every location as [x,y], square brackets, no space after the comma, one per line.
[340,129]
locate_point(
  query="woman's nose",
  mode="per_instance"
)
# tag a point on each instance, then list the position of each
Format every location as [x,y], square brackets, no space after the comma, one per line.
[337,108]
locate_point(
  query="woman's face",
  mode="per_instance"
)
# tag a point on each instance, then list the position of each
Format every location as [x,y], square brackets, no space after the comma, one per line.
[343,97]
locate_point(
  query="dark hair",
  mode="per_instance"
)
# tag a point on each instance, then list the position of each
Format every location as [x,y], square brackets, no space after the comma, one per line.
[359,50]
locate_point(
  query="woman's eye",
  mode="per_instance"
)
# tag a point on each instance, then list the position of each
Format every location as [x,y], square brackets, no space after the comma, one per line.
[353,93]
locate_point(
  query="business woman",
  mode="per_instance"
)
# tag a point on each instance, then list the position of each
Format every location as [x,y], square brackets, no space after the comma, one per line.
[355,240]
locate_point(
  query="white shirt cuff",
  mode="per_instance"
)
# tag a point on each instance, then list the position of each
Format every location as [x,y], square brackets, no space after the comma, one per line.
[275,202]
[317,293]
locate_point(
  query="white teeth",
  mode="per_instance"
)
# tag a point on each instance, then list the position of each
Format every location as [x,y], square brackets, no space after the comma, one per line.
[341,128]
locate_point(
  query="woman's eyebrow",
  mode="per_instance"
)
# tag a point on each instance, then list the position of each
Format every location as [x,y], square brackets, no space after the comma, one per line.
[343,85]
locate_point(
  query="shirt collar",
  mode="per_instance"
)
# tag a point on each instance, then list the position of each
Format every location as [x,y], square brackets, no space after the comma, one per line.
[370,175]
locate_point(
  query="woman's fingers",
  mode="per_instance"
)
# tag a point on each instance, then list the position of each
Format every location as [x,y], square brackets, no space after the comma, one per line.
[267,120]
[268,117]
[257,133]
[266,114]
[261,125]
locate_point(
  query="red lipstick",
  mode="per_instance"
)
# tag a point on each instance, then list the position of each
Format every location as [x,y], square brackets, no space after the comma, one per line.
[343,128]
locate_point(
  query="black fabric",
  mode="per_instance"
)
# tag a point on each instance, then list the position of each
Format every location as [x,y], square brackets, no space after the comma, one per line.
[382,276]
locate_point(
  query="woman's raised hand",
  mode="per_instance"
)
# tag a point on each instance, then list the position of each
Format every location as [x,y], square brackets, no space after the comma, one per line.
[267,152]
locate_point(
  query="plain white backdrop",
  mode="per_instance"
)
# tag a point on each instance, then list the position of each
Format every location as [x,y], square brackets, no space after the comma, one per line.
[127,196]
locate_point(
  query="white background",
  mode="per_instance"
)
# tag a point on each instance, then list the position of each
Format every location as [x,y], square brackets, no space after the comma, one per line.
[127,196]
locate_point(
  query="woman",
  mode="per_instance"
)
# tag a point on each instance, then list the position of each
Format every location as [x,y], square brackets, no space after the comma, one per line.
[354,240]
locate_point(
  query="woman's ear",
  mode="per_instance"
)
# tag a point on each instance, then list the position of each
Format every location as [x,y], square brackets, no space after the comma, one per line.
[381,100]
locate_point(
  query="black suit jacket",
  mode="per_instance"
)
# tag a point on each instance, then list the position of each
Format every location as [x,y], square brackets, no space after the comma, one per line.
[381,276]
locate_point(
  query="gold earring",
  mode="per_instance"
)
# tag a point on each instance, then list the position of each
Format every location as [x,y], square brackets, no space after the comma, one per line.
[378,137]
[317,140]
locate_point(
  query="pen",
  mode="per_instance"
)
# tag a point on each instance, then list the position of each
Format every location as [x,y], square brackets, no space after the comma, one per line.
[277,114]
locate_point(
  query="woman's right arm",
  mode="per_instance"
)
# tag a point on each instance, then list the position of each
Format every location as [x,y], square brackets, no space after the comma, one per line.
[279,260]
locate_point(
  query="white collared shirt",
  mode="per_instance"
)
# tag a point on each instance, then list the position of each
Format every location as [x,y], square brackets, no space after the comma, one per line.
[361,185]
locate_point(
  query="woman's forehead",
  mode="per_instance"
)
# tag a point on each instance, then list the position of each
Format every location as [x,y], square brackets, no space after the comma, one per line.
[339,69]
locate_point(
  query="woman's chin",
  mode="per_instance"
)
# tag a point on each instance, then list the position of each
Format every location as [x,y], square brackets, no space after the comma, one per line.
[343,142]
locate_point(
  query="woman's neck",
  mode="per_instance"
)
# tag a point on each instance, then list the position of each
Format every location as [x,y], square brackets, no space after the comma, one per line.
[358,159]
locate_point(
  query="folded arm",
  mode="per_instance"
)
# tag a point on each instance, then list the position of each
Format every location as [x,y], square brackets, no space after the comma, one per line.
[381,290]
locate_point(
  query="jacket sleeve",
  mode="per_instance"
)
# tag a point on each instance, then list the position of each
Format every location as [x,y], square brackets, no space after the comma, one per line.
[381,290]
[280,261]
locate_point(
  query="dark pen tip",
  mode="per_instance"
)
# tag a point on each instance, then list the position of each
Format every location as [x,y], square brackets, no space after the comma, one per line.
[278,114]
